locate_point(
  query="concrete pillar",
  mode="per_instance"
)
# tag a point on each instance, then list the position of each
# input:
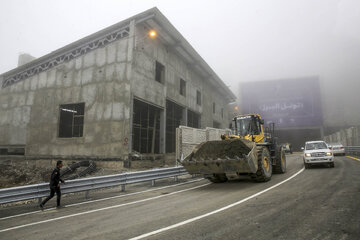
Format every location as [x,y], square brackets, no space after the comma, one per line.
[185,116]
[163,131]
[131,109]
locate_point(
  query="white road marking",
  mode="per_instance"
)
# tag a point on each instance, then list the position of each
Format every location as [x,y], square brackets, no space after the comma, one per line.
[100,209]
[215,211]
[102,199]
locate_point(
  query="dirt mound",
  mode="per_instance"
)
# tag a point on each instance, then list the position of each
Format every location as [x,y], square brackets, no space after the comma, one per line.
[213,150]
[20,173]
[12,175]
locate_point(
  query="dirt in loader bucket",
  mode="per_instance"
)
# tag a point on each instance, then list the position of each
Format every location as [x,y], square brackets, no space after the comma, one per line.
[222,149]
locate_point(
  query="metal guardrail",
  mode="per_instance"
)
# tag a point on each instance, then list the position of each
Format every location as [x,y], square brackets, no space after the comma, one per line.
[15,194]
[352,150]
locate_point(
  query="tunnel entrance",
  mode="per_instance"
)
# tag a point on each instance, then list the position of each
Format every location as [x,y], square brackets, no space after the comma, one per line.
[298,137]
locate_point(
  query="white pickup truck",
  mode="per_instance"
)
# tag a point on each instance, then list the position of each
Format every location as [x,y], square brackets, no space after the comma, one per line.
[317,152]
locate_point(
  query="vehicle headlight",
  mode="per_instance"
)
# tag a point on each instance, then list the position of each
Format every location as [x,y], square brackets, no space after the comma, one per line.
[328,154]
[307,154]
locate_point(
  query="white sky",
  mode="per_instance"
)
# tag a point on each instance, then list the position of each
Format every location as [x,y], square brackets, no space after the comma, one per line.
[242,40]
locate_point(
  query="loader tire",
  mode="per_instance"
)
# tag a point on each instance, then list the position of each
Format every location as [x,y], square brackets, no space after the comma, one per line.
[280,166]
[218,178]
[264,172]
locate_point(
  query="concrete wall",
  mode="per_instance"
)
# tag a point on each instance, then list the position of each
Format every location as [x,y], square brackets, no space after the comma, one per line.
[348,137]
[144,86]
[106,79]
[188,138]
[29,110]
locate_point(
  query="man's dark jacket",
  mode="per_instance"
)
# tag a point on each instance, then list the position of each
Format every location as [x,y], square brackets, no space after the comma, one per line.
[55,178]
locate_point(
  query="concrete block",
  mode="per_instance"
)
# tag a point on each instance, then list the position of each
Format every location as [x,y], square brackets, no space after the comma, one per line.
[68,78]
[99,74]
[120,69]
[70,64]
[19,86]
[100,108]
[67,95]
[4,102]
[58,96]
[87,76]
[88,94]
[126,112]
[59,79]
[12,88]
[3,119]
[100,57]
[122,50]
[118,111]
[109,92]
[27,84]
[89,133]
[76,94]
[77,78]
[111,53]
[22,99]
[116,131]
[51,78]
[89,59]
[34,82]
[78,63]
[108,111]
[18,135]
[16,118]
[90,112]
[42,80]
[14,100]
[110,72]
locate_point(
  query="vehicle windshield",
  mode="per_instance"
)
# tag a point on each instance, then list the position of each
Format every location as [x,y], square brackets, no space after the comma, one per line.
[247,125]
[316,145]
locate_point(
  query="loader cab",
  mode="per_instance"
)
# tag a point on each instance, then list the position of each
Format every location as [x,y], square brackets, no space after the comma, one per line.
[248,125]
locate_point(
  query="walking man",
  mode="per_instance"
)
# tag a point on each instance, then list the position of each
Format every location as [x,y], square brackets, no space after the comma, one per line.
[54,186]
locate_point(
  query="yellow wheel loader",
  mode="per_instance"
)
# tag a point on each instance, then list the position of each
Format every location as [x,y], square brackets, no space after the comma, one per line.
[249,150]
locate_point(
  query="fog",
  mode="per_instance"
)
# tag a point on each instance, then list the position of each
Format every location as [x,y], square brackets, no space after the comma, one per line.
[241,40]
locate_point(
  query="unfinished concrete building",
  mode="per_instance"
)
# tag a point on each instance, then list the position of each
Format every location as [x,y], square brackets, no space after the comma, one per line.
[118,93]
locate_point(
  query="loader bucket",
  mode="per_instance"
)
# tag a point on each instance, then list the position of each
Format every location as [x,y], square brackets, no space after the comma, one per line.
[230,156]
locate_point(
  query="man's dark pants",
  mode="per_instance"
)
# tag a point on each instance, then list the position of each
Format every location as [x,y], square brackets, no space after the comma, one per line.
[53,190]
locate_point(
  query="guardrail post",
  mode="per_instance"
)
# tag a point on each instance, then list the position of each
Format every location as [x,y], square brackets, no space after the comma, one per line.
[175,178]
[152,183]
[87,194]
[123,187]
[39,200]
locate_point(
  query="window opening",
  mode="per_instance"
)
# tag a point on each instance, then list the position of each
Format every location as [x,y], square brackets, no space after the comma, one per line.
[71,122]
[198,97]
[159,72]
[216,124]
[182,87]
[193,119]
[173,120]
[146,128]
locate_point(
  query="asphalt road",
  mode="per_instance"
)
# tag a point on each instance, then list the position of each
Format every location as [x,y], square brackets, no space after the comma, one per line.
[317,203]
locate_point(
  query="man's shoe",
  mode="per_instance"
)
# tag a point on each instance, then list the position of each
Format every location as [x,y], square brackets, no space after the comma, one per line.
[58,207]
[41,207]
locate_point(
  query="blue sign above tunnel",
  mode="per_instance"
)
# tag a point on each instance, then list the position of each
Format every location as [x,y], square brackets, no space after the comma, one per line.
[286,102]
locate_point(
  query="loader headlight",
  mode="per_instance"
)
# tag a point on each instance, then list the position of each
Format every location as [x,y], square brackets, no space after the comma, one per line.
[307,154]
[328,154]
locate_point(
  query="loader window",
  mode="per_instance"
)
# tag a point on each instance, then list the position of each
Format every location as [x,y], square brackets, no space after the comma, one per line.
[247,125]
